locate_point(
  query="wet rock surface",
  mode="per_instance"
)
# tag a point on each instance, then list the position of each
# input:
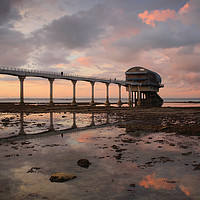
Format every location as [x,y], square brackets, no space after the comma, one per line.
[184,121]
[61,177]
[34,170]
[83,163]
[197,167]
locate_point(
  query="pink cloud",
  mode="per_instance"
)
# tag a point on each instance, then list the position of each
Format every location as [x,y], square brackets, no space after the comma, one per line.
[185,8]
[85,61]
[162,15]
[127,32]
[189,14]
[60,65]
[156,15]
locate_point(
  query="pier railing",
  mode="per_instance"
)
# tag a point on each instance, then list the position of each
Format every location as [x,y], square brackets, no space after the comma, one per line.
[32,72]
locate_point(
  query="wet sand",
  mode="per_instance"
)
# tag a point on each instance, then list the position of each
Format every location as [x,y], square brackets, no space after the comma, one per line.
[136,154]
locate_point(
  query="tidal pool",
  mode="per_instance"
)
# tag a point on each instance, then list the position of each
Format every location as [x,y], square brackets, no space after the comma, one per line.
[138,165]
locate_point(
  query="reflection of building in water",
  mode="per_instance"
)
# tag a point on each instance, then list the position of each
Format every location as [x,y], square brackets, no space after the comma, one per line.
[21,131]
[51,127]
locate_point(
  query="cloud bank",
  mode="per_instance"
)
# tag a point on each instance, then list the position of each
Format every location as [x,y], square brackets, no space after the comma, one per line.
[105,38]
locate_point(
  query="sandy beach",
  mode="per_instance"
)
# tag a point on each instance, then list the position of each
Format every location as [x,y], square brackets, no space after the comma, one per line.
[134,153]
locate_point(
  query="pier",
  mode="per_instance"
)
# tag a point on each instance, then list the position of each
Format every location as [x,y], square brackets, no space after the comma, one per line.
[133,83]
[22,74]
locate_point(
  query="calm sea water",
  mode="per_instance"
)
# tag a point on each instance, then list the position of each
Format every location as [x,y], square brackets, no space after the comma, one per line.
[172,102]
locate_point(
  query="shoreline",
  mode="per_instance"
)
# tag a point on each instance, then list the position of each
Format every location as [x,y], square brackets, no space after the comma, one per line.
[12,107]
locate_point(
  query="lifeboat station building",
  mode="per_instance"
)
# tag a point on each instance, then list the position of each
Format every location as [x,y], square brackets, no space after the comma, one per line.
[145,93]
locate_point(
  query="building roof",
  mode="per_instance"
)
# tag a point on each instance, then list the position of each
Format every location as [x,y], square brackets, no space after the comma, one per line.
[158,77]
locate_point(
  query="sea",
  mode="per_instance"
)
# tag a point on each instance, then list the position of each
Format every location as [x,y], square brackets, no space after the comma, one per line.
[168,102]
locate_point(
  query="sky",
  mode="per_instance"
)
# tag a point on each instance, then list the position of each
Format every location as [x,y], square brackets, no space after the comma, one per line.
[101,38]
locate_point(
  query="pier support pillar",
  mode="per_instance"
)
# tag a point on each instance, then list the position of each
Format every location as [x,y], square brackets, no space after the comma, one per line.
[139,97]
[131,99]
[129,96]
[119,103]
[21,79]
[135,99]
[74,93]
[107,103]
[92,97]
[51,92]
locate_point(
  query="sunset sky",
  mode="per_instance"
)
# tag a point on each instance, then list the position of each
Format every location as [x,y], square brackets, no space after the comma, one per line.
[101,38]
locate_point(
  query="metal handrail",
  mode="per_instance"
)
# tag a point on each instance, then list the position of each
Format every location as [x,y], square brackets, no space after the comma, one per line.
[64,75]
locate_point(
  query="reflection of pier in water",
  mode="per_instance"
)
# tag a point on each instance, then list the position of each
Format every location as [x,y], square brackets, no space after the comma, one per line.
[21,131]
[52,131]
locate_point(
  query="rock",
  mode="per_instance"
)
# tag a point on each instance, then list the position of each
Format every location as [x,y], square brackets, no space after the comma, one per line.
[14,143]
[51,145]
[197,167]
[120,150]
[165,159]
[34,170]
[61,177]
[5,123]
[169,181]
[83,163]
[164,128]
[119,156]
[6,120]
[159,141]
[29,147]
[186,154]
[9,155]
[128,140]
[114,146]
[14,147]
[25,142]
[132,185]
[184,147]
